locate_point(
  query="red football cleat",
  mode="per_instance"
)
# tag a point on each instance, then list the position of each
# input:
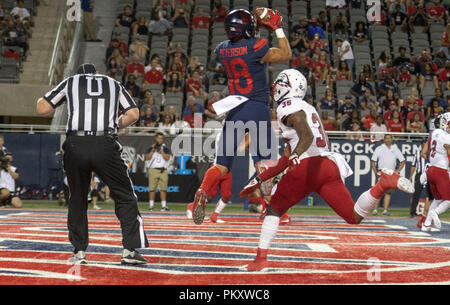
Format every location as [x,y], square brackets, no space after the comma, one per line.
[391,180]
[285,219]
[199,206]
[258,264]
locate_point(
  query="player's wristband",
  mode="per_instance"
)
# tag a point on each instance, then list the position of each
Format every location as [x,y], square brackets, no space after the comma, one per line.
[280,33]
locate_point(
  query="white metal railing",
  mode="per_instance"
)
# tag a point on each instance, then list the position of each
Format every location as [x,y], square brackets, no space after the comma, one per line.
[144,131]
[51,70]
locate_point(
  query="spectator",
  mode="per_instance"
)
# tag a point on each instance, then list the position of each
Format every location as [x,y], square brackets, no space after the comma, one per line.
[323,20]
[402,58]
[434,108]
[136,68]
[440,97]
[328,122]
[164,126]
[316,45]
[345,52]
[194,85]
[414,96]
[114,70]
[398,19]
[158,157]
[366,101]
[178,67]
[87,6]
[20,12]
[393,6]
[378,130]
[396,124]
[123,46]
[200,21]
[180,126]
[321,69]
[195,65]
[405,80]
[132,86]
[154,76]
[13,37]
[220,77]
[386,156]
[178,52]
[360,87]
[348,122]
[387,84]
[174,117]
[137,48]
[305,70]
[416,111]
[299,40]
[419,18]
[141,27]
[114,44]
[356,134]
[368,73]
[2,14]
[302,58]
[444,76]
[180,18]
[413,67]
[343,72]
[162,8]
[389,98]
[369,119]
[148,100]
[436,12]
[209,111]
[8,177]
[383,59]
[126,18]
[427,75]
[315,28]
[159,25]
[174,84]
[339,25]
[360,34]
[220,11]
[148,119]
[328,102]
[445,40]
[3,149]
[192,107]
[346,109]
[440,59]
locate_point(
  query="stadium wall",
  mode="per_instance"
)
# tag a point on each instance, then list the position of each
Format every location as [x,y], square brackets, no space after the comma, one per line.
[20,99]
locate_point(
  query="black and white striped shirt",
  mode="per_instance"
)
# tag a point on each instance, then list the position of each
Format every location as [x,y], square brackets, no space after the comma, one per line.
[419,162]
[93,102]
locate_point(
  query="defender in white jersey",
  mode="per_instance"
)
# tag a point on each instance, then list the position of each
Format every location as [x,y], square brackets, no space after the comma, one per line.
[437,173]
[311,167]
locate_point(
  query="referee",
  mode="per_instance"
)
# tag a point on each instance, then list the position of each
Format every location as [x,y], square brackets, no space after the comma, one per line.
[93,103]
[418,167]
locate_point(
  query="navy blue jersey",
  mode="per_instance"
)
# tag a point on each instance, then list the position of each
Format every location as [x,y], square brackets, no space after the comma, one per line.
[242,62]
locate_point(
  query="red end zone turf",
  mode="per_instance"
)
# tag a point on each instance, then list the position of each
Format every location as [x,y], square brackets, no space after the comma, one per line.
[34,249]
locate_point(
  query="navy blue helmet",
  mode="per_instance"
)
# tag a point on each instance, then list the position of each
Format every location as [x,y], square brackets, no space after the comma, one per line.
[240,24]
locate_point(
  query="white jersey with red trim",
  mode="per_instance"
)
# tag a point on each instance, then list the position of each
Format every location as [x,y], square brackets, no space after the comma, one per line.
[438,153]
[320,144]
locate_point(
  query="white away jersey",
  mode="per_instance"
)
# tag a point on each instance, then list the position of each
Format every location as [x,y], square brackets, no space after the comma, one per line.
[438,153]
[320,145]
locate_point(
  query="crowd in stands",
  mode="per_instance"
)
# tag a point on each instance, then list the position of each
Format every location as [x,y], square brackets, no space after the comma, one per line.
[399,89]
[15,30]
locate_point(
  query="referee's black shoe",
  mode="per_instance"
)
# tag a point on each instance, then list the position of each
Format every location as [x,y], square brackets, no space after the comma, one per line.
[132,257]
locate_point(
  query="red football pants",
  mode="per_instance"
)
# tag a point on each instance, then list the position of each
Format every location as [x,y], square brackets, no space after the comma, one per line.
[319,175]
[439,182]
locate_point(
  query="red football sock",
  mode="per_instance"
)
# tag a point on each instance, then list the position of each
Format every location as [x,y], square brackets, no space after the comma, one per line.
[262,201]
[210,178]
[261,253]
[377,191]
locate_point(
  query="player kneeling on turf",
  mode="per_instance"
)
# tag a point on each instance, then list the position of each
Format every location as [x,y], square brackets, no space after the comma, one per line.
[311,167]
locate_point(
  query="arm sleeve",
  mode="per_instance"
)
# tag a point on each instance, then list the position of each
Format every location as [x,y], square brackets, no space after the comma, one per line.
[271,172]
[57,96]
[400,156]
[375,155]
[125,100]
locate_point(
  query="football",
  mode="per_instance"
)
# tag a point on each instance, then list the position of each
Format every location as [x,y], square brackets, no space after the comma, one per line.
[262,14]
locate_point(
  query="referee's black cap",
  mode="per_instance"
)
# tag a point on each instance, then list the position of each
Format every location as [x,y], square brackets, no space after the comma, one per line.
[86,69]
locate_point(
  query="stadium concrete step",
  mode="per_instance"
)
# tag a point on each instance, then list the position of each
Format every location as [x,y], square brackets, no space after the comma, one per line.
[35,69]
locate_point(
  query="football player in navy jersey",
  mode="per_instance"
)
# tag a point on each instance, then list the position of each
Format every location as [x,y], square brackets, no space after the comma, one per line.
[245,57]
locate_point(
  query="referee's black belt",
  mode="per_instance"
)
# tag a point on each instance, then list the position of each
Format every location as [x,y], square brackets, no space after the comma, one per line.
[90,133]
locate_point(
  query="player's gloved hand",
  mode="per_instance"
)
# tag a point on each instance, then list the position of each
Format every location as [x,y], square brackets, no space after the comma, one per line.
[253,185]
[294,160]
[275,22]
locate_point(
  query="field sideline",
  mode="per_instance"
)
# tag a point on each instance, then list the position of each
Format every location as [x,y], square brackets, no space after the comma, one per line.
[232,208]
